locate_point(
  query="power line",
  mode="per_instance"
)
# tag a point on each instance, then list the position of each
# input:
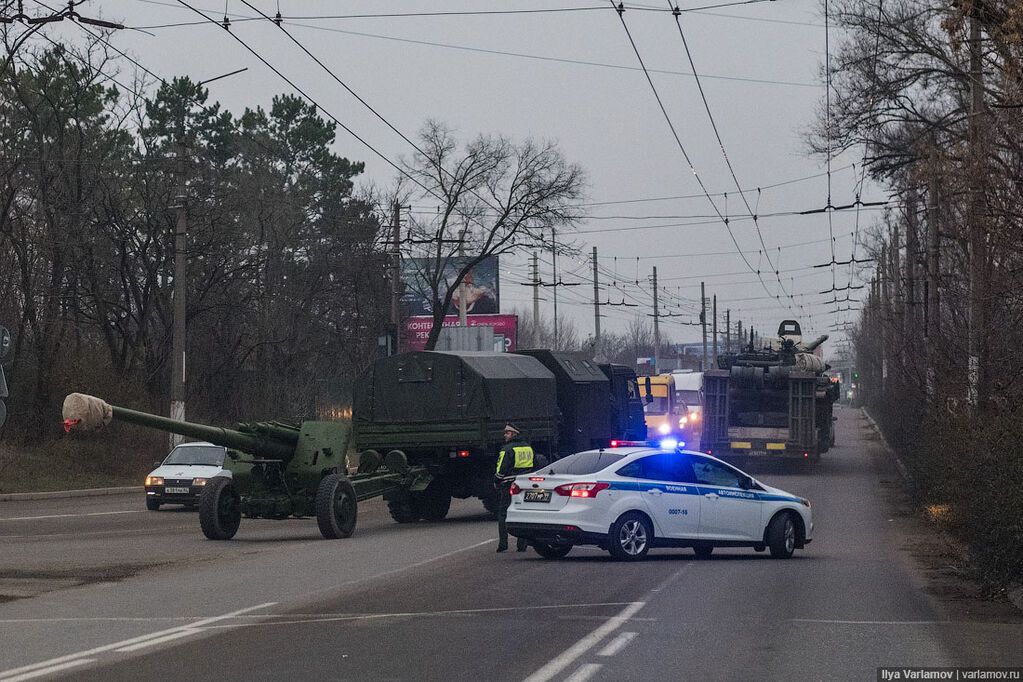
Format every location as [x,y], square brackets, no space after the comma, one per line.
[621,16]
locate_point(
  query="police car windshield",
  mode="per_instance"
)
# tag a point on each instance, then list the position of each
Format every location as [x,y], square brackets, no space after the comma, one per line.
[209,455]
[584,463]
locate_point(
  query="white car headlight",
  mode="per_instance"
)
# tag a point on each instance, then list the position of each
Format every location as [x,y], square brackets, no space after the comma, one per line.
[154,480]
[199,481]
[665,429]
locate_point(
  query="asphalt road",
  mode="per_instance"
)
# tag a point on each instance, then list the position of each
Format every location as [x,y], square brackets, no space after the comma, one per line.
[101,589]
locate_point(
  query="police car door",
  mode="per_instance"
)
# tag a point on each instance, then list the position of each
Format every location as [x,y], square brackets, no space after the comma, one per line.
[727,512]
[665,482]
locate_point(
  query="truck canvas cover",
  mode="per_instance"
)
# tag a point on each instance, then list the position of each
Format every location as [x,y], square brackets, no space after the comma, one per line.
[430,387]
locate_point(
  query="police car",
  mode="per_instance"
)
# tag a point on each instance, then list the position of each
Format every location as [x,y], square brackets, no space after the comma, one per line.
[629,499]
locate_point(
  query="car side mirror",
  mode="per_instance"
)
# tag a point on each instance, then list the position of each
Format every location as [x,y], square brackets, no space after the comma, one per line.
[745,482]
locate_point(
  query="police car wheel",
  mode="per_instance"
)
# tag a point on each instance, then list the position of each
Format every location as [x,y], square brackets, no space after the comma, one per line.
[781,536]
[702,550]
[552,551]
[630,537]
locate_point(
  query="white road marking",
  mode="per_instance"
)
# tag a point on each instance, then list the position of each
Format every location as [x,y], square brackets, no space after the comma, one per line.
[617,644]
[870,622]
[8,675]
[52,669]
[159,640]
[583,673]
[72,516]
[570,655]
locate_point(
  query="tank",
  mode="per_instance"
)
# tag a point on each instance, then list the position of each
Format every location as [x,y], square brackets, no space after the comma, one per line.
[776,398]
[278,469]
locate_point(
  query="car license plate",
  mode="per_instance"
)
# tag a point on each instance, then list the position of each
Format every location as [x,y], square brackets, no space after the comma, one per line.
[537,496]
[758,453]
[176,491]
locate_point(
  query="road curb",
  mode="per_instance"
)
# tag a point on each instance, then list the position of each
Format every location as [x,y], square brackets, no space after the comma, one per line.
[899,464]
[61,494]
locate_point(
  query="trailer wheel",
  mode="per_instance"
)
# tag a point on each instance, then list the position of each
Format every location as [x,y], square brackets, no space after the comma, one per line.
[433,503]
[336,507]
[401,508]
[220,509]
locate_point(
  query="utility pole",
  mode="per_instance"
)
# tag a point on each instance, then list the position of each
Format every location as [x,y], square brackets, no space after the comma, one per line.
[596,303]
[396,274]
[728,330]
[714,326]
[932,310]
[738,335]
[536,295]
[554,283]
[657,327]
[703,325]
[911,323]
[976,394]
[177,404]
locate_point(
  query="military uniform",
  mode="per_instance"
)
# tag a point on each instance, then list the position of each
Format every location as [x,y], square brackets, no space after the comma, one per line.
[514,459]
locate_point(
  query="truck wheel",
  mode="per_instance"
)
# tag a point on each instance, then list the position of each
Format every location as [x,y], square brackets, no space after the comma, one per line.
[781,536]
[220,509]
[630,537]
[152,504]
[433,503]
[491,503]
[336,507]
[551,551]
[703,550]
[399,504]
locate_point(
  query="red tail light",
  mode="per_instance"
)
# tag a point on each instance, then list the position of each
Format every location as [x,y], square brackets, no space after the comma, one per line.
[463,453]
[581,489]
[515,489]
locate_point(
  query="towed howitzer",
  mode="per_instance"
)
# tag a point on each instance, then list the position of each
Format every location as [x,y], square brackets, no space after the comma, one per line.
[277,469]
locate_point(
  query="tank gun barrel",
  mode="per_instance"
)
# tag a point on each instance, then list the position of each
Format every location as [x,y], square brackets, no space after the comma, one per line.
[270,440]
[816,342]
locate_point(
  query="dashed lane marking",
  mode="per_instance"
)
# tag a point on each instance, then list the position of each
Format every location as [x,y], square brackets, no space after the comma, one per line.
[617,644]
[159,640]
[45,667]
[570,655]
[584,673]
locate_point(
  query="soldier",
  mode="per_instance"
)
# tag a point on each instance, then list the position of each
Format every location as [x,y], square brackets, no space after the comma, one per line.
[515,458]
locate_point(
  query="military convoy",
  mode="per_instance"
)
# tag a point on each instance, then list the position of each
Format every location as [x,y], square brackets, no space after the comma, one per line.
[427,427]
[773,401]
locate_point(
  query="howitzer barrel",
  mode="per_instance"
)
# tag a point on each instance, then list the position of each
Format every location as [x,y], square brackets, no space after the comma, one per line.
[267,440]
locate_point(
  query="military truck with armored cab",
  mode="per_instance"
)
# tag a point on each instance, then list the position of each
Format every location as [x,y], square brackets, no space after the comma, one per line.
[774,401]
[446,411]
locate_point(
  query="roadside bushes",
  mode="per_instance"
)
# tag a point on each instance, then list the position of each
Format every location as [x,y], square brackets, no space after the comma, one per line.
[975,466]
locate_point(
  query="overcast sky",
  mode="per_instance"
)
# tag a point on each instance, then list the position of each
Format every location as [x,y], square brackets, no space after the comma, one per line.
[523,75]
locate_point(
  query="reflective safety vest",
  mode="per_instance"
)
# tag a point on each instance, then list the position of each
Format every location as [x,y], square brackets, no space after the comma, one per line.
[523,457]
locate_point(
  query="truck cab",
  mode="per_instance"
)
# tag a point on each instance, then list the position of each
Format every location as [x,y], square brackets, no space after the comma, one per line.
[663,414]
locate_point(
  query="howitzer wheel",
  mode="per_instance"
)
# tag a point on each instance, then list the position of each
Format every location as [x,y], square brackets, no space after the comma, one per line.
[220,509]
[336,507]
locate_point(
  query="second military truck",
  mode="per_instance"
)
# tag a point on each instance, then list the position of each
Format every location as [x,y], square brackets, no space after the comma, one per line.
[446,411]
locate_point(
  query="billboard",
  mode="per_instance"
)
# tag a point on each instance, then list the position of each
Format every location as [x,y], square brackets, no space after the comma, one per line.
[417,330]
[482,285]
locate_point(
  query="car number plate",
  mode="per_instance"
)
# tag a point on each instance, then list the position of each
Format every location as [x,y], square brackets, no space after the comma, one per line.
[176,491]
[537,496]
[758,453]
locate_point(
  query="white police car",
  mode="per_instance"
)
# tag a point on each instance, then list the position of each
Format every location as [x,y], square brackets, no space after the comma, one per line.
[180,478]
[629,499]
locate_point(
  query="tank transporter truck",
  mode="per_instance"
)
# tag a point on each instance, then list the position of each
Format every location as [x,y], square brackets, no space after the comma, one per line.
[774,401]
[277,469]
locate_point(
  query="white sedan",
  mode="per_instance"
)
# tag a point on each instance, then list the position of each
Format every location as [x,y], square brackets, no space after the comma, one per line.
[629,499]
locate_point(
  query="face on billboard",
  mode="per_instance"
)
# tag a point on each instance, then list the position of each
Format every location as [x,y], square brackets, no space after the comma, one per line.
[481,285]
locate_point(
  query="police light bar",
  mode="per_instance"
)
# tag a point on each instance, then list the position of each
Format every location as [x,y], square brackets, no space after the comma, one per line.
[663,444]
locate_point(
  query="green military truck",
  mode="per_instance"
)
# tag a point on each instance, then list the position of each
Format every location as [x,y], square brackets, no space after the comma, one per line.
[445,411]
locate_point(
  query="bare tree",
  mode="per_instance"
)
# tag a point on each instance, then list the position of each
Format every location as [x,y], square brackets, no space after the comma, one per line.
[493,197]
